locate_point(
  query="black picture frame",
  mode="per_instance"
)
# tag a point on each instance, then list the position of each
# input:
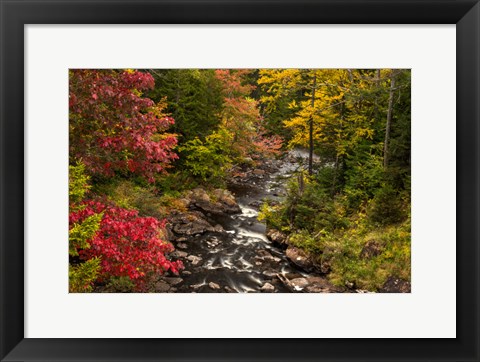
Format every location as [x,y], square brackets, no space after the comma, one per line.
[16,13]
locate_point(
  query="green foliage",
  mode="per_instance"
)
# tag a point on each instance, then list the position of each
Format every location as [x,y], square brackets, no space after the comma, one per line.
[386,207]
[176,182]
[209,159]
[364,177]
[80,234]
[305,240]
[273,215]
[312,207]
[78,182]
[370,273]
[144,198]
[82,276]
[130,195]
[120,285]
[194,99]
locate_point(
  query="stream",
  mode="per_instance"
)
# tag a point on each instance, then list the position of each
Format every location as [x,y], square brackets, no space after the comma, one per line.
[241,259]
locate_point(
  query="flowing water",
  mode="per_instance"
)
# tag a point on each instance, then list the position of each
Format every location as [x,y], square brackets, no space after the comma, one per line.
[242,259]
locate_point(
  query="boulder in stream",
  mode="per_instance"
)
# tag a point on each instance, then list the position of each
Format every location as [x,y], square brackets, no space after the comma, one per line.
[309,284]
[267,288]
[300,258]
[220,202]
[190,223]
[214,286]
[276,236]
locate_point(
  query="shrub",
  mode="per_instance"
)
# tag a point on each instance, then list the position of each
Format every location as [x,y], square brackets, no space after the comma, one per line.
[209,159]
[370,273]
[363,178]
[386,206]
[273,215]
[306,241]
[127,244]
[109,241]
[81,276]
[120,285]
[313,208]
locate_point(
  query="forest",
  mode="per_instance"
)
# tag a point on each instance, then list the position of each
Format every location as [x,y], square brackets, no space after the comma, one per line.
[239,180]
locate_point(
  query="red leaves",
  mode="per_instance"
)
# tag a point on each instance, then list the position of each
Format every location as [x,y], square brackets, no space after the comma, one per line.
[127,244]
[242,118]
[113,128]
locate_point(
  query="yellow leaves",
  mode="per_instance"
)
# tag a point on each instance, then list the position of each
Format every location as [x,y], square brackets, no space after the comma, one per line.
[293,104]
[364,132]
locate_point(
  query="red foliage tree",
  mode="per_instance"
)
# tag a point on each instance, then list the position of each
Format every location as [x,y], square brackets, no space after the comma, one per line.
[242,118]
[127,244]
[113,128]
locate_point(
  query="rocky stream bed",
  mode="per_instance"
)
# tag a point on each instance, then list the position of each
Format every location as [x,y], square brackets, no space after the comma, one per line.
[225,249]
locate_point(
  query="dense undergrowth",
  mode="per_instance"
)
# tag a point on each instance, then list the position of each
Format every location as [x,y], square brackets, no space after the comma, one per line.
[141,139]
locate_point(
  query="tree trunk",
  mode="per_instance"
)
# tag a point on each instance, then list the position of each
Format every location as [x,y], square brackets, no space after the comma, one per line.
[334,183]
[389,121]
[310,153]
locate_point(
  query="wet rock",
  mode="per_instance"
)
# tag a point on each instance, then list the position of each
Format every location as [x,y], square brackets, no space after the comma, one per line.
[221,201]
[214,286]
[240,175]
[372,248]
[293,275]
[172,280]
[300,258]
[182,246]
[218,228]
[169,235]
[258,263]
[299,283]
[162,287]
[276,236]
[267,288]
[199,194]
[228,289]
[269,272]
[186,272]
[255,204]
[320,285]
[182,239]
[195,260]
[396,285]
[310,284]
[179,254]
[197,286]
[265,255]
[190,223]
[213,242]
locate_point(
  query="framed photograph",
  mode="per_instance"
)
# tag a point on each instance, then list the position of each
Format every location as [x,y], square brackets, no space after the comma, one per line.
[239,180]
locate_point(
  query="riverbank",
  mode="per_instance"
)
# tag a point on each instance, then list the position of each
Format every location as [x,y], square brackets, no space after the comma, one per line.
[225,248]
